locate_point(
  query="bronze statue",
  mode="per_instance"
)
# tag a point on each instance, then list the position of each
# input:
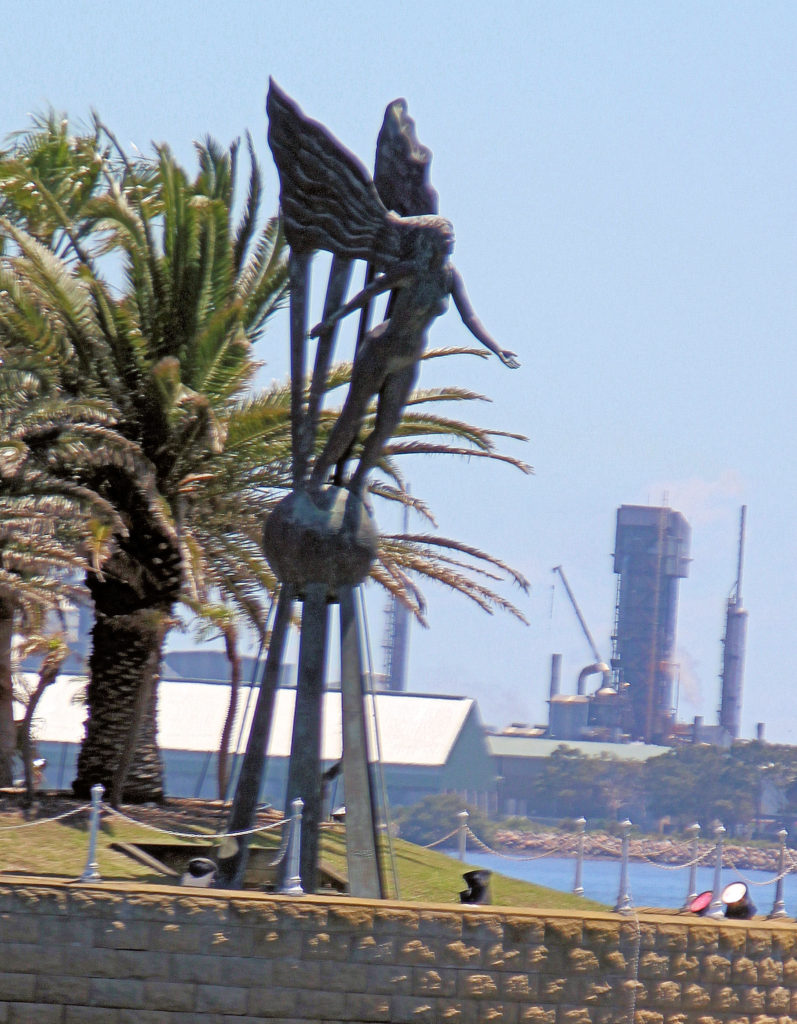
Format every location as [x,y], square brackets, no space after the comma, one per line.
[330,202]
[321,541]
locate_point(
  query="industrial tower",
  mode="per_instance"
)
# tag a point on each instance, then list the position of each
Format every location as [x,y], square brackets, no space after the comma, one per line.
[396,646]
[397,637]
[651,554]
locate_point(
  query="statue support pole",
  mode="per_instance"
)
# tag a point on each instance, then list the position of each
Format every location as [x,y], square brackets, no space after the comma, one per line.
[304,771]
[298,268]
[362,849]
[231,869]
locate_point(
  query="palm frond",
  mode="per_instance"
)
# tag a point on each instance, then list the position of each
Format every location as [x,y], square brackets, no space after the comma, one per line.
[422,448]
[433,541]
[245,231]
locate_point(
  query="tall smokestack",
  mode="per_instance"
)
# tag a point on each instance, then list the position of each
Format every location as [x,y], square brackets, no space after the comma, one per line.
[734,648]
[556,675]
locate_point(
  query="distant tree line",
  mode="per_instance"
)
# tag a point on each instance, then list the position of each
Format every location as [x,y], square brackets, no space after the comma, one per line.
[746,787]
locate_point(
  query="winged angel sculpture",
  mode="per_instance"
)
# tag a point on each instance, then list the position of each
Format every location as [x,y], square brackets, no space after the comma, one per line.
[321,540]
[330,202]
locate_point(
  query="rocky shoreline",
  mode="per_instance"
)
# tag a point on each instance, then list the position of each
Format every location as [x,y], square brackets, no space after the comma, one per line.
[659,850]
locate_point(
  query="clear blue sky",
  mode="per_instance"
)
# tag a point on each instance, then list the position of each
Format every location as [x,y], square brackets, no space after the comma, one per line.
[622,178]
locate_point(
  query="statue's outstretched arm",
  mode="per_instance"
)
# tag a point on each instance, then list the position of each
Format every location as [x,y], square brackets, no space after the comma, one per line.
[474,324]
[400,276]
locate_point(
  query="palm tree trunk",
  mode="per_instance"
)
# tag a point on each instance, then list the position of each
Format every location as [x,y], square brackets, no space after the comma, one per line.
[48,673]
[8,735]
[125,656]
[143,706]
[133,597]
[231,646]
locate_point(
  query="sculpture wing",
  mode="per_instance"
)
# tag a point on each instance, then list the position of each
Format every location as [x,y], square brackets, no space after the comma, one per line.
[401,171]
[327,197]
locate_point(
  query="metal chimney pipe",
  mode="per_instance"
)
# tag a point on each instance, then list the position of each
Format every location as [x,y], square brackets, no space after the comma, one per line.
[591,670]
[697,728]
[759,732]
[556,675]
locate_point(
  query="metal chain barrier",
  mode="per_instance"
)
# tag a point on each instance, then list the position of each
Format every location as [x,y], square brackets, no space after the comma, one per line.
[749,881]
[437,842]
[676,867]
[613,849]
[505,856]
[573,847]
[680,849]
[196,835]
[46,821]
[291,883]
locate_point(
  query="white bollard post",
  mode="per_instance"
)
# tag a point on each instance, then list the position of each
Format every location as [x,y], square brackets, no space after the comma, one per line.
[578,887]
[779,906]
[462,835]
[91,872]
[715,907]
[691,893]
[292,885]
[624,904]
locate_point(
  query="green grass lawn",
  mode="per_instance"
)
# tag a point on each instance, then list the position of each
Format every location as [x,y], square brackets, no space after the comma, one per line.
[61,848]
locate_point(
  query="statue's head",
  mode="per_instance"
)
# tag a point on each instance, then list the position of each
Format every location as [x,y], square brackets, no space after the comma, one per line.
[428,239]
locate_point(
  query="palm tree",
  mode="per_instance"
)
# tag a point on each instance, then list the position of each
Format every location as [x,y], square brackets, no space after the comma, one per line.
[170,351]
[50,527]
[167,346]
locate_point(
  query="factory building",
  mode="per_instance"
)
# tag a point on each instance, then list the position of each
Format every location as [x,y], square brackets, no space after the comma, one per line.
[634,699]
[426,743]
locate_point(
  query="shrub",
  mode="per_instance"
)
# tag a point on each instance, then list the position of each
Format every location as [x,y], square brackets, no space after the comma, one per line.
[436,816]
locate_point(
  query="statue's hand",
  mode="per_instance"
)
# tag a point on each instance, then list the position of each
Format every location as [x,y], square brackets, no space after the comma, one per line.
[509,359]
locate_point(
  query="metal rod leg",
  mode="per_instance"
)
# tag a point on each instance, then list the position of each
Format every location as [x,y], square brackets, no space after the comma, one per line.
[304,771]
[247,792]
[362,852]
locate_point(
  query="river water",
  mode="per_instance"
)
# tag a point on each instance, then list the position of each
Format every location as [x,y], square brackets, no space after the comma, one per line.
[650,885]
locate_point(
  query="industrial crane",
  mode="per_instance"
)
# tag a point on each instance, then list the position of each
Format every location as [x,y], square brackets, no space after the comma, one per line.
[599,665]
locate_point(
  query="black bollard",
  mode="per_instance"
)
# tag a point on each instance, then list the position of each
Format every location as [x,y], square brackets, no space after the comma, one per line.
[478,890]
[201,872]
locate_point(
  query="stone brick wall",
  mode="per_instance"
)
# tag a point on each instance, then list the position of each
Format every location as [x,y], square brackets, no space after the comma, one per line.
[133,954]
